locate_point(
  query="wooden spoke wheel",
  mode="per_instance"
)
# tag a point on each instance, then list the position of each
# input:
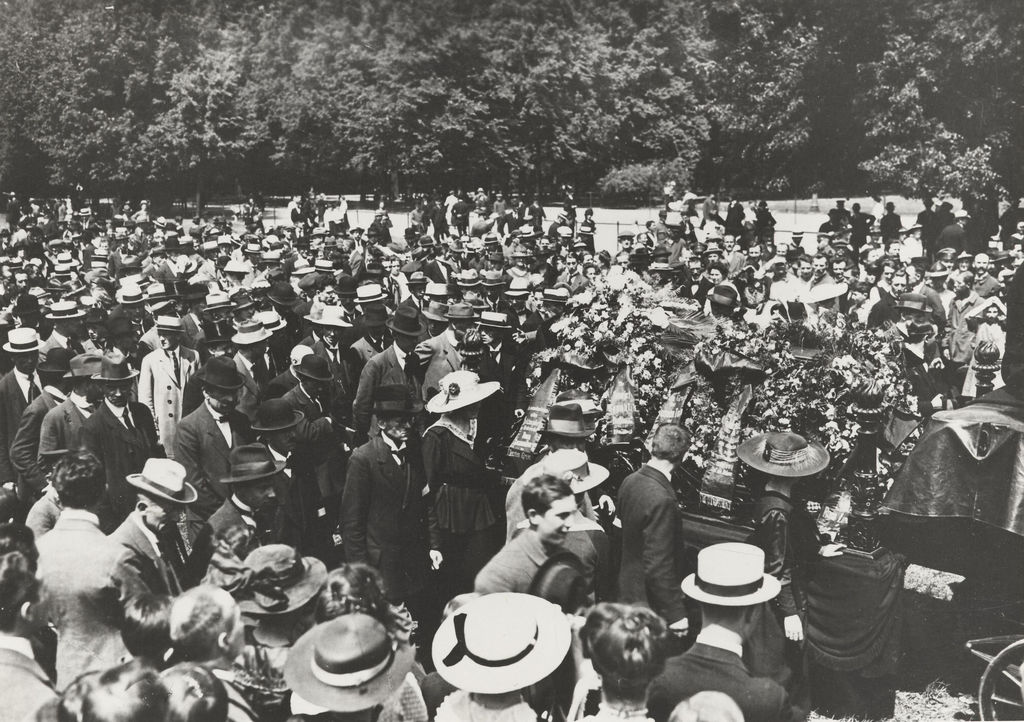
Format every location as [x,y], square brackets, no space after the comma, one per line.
[1001,692]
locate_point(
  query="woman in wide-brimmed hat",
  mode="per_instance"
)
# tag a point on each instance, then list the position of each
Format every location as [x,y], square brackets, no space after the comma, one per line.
[492,649]
[462,484]
[280,596]
[788,536]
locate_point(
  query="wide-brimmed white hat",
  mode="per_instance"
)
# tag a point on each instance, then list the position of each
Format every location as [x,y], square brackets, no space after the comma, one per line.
[249,333]
[574,465]
[731,575]
[458,390]
[164,479]
[328,316]
[501,642]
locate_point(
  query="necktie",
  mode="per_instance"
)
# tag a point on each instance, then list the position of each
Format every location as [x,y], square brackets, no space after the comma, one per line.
[127,419]
[33,390]
[177,367]
[260,372]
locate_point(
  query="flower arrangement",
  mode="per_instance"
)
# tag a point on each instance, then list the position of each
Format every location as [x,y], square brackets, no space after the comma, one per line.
[808,371]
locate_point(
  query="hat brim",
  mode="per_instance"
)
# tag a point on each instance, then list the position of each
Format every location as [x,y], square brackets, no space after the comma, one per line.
[438,405]
[751,453]
[142,484]
[374,299]
[497,326]
[313,377]
[770,588]
[278,467]
[108,380]
[250,339]
[313,580]
[297,416]
[581,434]
[73,317]
[433,317]
[554,638]
[597,476]
[420,330]
[299,677]
[334,322]
[9,349]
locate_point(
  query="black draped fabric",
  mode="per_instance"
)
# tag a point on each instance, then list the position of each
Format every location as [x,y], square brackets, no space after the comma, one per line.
[855,612]
[968,463]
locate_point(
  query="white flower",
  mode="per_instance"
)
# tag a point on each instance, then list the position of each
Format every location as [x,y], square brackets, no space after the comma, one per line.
[658,317]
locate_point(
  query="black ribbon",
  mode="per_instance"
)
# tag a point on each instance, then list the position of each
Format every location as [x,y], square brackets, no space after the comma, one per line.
[459,651]
[737,590]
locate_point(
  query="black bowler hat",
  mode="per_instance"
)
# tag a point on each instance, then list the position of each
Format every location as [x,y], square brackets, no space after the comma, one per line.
[395,400]
[220,372]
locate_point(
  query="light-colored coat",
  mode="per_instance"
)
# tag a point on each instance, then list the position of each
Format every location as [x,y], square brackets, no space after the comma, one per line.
[440,359]
[88,582]
[61,428]
[27,686]
[161,391]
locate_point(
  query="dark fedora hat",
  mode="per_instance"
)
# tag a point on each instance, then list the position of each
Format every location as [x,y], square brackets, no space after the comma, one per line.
[913,302]
[220,372]
[58,361]
[375,316]
[281,293]
[251,462]
[276,415]
[561,580]
[315,368]
[567,420]
[395,400]
[288,580]
[406,321]
[115,368]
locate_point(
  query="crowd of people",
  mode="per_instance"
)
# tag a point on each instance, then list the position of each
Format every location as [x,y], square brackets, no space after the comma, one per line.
[249,473]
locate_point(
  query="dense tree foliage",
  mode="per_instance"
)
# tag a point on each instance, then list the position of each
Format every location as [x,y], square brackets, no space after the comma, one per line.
[133,97]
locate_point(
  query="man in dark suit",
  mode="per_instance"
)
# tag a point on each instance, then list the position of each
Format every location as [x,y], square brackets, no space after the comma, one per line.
[251,505]
[730,585]
[652,544]
[18,388]
[206,437]
[28,687]
[25,449]
[61,428]
[122,435]
[502,362]
[397,364]
[287,379]
[150,533]
[386,521]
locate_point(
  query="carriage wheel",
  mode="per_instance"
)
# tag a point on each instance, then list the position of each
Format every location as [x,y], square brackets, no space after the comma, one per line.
[1001,692]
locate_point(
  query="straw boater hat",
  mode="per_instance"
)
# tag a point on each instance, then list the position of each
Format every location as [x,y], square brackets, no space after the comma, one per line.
[271,320]
[250,333]
[164,480]
[286,581]
[370,293]
[22,340]
[169,324]
[458,390]
[348,664]
[573,465]
[731,575]
[783,453]
[501,642]
[65,311]
[494,319]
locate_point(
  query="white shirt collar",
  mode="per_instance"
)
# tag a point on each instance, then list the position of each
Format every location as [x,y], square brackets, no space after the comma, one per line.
[216,414]
[391,443]
[241,504]
[245,362]
[399,353]
[17,644]
[665,467]
[79,515]
[721,638]
[81,403]
[55,393]
[146,531]
[277,456]
[60,338]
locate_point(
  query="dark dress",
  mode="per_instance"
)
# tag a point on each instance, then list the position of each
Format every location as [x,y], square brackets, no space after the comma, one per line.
[462,489]
[787,537]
